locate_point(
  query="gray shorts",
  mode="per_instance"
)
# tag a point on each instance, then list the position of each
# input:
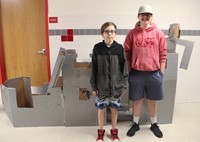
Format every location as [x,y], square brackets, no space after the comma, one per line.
[145,84]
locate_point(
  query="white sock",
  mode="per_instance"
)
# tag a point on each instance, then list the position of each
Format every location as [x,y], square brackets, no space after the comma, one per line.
[136,119]
[153,120]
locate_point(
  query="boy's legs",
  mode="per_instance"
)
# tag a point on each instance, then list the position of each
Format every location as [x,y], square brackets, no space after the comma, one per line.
[101,103]
[114,130]
[115,103]
[152,107]
[154,92]
[114,114]
[137,109]
[137,81]
[100,131]
[101,118]
[136,94]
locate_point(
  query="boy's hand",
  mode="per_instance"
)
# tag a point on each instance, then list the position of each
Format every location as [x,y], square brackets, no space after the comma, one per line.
[123,93]
[94,93]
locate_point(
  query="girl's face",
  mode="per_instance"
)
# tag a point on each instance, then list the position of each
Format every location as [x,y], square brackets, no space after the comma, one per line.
[145,18]
[109,33]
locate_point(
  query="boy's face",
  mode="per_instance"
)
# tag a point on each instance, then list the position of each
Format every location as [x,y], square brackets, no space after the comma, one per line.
[109,33]
[145,18]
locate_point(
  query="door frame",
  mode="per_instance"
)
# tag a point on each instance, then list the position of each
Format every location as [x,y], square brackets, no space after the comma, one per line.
[2,65]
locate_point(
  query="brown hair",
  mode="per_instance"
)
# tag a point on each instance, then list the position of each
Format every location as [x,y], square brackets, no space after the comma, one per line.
[105,25]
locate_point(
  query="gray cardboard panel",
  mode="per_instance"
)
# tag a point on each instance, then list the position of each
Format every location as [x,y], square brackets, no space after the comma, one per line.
[47,110]
[56,71]
[171,70]
[79,112]
[187,52]
[171,45]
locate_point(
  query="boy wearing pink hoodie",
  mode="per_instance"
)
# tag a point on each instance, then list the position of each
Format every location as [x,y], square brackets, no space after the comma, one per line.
[146,53]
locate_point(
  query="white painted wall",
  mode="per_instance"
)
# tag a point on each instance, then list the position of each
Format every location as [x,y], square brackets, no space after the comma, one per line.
[91,14]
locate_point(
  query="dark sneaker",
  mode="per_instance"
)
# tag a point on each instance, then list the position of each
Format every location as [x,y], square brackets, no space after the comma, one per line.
[114,134]
[100,137]
[155,129]
[131,132]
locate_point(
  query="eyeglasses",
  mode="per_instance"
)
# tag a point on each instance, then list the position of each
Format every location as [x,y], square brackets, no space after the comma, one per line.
[111,31]
[146,14]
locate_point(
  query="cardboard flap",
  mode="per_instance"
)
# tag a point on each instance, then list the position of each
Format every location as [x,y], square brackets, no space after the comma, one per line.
[56,71]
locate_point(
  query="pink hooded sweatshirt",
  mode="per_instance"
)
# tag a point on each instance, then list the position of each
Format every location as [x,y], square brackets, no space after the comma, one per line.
[145,49]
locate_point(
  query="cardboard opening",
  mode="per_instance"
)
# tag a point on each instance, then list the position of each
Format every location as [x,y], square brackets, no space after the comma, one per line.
[23,91]
[84,94]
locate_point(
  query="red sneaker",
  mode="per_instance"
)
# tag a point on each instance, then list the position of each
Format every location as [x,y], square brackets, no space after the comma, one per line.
[114,134]
[100,137]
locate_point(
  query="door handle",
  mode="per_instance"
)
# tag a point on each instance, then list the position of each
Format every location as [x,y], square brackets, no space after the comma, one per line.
[43,51]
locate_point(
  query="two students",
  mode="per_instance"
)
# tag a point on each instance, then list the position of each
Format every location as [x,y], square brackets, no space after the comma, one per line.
[145,53]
